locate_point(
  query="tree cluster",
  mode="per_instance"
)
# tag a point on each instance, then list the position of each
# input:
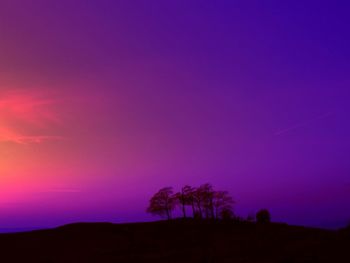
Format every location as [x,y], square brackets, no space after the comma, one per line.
[203,201]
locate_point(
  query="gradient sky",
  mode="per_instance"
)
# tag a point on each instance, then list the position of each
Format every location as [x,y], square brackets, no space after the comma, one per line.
[104,102]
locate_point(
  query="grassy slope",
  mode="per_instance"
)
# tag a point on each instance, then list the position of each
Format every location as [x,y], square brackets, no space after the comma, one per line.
[177,241]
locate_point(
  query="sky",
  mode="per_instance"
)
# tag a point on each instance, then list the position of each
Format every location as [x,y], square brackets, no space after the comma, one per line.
[104,102]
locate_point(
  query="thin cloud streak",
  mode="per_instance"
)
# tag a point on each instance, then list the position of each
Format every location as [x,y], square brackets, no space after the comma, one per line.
[62,190]
[20,139]
[303,124]
[21,112]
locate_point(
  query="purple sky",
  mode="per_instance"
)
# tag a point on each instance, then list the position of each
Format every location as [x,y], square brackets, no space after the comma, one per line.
[104,102]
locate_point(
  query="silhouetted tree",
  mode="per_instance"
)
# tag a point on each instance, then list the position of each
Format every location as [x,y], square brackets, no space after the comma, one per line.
[206,194]
[197,199]
[188,192]
[197,215]
[185,197]
[181,201]
[263,216]
[162,203]
[238,219]
[250,218]
[204,201]
[222,201]
[226,214]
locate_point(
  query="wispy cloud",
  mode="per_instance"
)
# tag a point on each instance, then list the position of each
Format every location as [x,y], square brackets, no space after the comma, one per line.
[303,124]
[62,190]
[26,117]
[6,136]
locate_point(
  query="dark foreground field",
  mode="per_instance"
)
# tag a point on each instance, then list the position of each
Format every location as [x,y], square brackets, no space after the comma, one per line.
[177,241]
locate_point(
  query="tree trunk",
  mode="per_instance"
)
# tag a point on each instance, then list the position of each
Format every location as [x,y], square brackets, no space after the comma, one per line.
[184,210]
[167,210]
[212,209]
[200,210]
[193,209]
[207,212]
[168,214]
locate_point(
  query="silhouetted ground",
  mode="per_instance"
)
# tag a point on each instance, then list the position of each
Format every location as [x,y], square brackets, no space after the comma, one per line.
[176,241]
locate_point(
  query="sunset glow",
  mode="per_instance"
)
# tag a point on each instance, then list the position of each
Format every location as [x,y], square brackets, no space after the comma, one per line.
[24,118]
[102,104]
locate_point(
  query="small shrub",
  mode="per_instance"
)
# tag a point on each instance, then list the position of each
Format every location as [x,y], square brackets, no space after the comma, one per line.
[263,216]
[226,214]
[250,218]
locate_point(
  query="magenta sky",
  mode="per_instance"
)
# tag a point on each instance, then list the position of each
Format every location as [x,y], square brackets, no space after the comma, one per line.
[103,102]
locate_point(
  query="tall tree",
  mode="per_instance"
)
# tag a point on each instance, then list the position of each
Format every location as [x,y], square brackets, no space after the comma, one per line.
[223,203]
[182,201]
[185,198]
[162,203]
[189,197]
[206,194]
[197,200]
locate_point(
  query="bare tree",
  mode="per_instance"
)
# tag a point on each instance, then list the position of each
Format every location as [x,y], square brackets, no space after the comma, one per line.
[206,194]
[185,197]
[188,192]
[222,202]
[162,203]
[182,201]
[197,200]
[204,201]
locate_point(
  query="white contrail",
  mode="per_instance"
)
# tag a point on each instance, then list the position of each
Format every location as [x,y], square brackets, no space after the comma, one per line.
[303,124]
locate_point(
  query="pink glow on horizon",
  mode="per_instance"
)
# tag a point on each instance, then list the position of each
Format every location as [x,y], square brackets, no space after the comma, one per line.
[104,102]
[24,117]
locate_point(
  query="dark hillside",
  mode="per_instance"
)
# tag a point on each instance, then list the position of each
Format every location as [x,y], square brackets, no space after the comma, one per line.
[176,241]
